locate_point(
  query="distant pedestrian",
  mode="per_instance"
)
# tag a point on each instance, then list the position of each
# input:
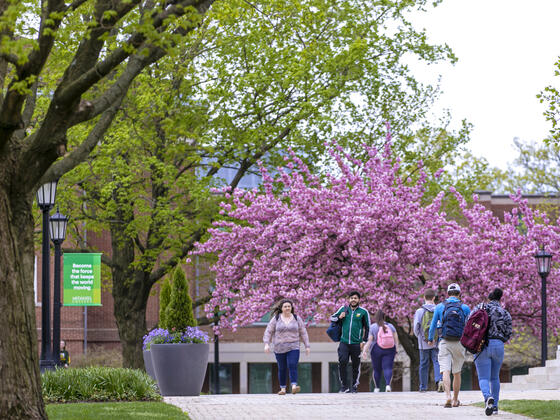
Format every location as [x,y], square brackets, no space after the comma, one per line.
[489,361]
[422,321]
[355,327]
[383,341]
[285,331]
[64,355]
[452,314]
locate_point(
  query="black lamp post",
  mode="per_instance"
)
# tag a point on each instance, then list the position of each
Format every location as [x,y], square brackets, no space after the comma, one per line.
[46,195]
[216,359]
[543,267]
[58,224]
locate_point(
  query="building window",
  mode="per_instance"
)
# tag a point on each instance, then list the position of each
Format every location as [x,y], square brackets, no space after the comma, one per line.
[305,377]
[263,378]
[334,378]
[229,379]
[225,373]
[260,378]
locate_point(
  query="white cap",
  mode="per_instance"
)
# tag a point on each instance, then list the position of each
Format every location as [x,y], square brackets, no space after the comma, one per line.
[453,287]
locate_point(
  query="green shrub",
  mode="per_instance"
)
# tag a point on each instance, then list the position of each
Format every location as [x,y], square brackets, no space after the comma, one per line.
[179,313]
[98,384]
[164,298]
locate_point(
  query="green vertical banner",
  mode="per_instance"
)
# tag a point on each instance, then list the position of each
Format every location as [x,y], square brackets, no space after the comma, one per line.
[82,279]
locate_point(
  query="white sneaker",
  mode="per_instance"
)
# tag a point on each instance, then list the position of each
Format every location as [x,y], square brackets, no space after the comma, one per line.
[388,388]
[376,390]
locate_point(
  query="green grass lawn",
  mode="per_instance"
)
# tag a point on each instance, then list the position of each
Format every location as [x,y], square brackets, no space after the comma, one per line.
[115,410]
[542,410]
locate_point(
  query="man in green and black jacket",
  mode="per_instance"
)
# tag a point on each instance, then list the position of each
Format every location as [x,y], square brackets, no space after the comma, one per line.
[355,329]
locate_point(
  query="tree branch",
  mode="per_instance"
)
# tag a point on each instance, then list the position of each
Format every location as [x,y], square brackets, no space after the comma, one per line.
[165,267]
[119,88]
[79,154]
[135,41]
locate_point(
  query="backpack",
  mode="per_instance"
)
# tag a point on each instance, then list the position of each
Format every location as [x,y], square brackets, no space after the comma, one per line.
[453,321]
[385,339]
[475,334]
[335,329]
[426,322]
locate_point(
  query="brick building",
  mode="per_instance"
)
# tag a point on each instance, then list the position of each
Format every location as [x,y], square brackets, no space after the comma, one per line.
[244,367]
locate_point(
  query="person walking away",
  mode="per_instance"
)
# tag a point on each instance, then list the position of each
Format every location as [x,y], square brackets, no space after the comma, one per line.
[489,361]
[285,331]
[383,341]
[64,355]
[451,355]
[355,327]
[422,320]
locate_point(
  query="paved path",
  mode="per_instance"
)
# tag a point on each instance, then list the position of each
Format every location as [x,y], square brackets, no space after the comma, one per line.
[385,406]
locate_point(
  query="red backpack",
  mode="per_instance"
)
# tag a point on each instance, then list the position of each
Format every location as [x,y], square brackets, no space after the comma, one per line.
[475,333]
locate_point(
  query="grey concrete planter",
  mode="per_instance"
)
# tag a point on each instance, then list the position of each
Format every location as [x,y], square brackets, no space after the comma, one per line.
[149,365]
[180,368]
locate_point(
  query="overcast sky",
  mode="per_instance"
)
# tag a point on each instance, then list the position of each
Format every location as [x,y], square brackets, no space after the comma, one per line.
[506,50]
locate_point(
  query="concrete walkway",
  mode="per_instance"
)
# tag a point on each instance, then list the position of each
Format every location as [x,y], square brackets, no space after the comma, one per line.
[385,406]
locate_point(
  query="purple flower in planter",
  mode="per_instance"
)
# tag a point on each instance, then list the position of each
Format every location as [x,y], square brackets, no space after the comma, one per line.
[194,335]
[149,338]
[163,336]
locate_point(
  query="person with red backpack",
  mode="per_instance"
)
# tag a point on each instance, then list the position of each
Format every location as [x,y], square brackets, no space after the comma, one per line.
[452,314]
[383,341]
[489,361]
[422,321]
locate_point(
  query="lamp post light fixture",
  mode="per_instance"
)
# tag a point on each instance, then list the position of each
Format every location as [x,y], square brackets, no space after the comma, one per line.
[46,195]
[58,224]
[543,259]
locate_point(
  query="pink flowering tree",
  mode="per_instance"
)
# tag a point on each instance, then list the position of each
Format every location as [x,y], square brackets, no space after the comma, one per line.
[313,240]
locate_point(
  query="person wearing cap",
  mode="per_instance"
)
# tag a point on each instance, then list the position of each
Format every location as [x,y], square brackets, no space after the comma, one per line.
[452,315]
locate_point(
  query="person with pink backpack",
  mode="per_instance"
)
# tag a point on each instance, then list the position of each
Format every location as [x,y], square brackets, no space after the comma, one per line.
[383,341]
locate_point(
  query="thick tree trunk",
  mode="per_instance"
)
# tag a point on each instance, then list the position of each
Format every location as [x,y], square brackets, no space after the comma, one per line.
[131,290]
[20,384]
[131,323]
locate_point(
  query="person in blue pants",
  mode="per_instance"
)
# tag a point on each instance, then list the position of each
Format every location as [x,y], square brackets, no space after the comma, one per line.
[489,361]
[383,341]
[422,321]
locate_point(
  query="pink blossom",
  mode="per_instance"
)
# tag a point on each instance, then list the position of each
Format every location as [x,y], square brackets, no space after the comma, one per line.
[366,229]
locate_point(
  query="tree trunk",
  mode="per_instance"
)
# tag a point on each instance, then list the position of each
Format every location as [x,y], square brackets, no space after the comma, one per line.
[410,345]
[20,387]
[131,323]
[131,290]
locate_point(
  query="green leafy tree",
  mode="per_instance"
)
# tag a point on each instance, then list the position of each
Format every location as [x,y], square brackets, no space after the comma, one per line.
[551,97]
[251,82]
[65,68]
[179,312]
[164,298]
[535,170]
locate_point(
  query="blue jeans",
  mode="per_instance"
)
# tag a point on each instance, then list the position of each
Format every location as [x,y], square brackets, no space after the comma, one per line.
[488,365]
[287,360]
[424,369]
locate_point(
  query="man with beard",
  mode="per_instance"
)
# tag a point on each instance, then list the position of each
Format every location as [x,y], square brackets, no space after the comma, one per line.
[355,328]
